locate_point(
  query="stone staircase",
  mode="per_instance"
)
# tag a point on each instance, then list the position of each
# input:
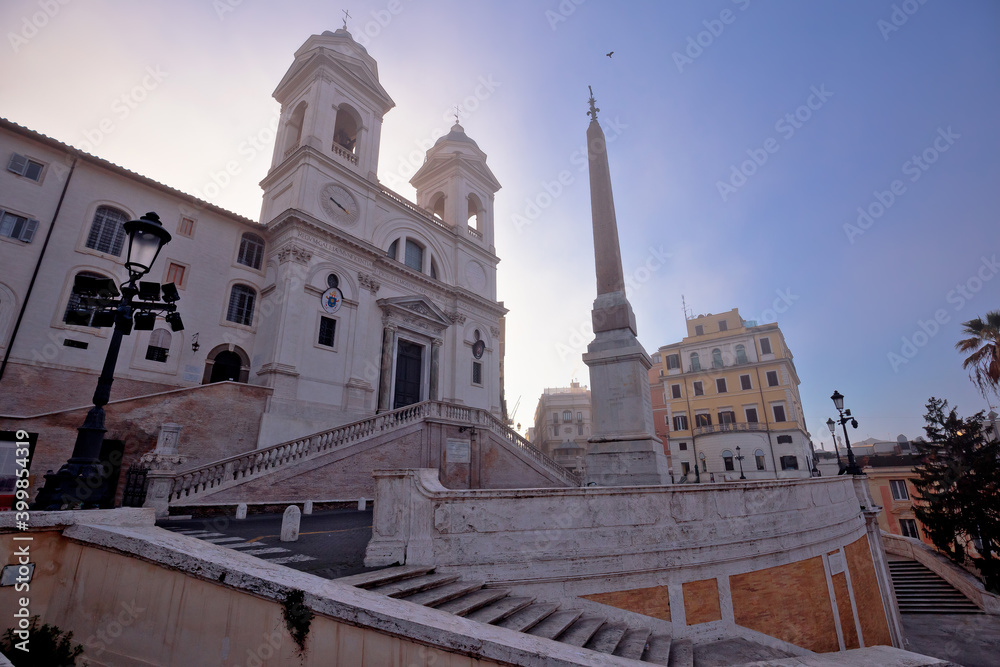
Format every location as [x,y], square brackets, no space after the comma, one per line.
[920,591]
[191,485]
[496,606]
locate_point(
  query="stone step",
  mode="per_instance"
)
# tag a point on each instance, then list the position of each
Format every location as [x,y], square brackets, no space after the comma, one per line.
[658,650]
[473,601]
[369,579]
[442,594]
[555,624]
[528,617]
[582,630]
[681,654]
[403,587]
[607,638]
[633,644]
[499,610]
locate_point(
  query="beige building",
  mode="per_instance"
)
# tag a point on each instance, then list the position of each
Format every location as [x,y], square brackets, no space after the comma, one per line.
[730,383]
[562,424]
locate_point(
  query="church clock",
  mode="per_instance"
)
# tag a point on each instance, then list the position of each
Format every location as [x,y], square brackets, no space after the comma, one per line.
[339,204]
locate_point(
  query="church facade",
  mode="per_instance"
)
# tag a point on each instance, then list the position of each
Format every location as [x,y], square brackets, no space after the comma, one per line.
[345,299]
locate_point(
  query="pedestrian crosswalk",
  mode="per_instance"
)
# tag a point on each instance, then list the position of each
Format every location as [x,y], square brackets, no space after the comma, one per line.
[272,554]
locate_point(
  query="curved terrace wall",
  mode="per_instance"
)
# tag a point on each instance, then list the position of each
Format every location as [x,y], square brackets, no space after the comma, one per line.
[788,559]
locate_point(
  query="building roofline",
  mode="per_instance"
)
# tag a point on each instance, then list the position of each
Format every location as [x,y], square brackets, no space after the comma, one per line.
[128,173]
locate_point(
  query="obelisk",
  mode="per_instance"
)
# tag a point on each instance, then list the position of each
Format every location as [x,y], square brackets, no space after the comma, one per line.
[623,449]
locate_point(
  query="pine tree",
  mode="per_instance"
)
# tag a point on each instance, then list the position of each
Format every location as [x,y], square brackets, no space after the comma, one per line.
[958,486]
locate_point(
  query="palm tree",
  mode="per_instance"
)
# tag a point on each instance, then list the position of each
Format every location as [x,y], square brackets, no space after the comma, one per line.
[984,344]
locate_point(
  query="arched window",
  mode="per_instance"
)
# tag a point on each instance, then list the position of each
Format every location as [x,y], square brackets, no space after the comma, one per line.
[332,280]
[77,313]
[727,459]
[759,457]
[716,358]
[159,345]
[241,303]
[107,232]
[414,257]
[695,362]
[293,130]
[475,213]
[345,131]
[741,354]
[251,250]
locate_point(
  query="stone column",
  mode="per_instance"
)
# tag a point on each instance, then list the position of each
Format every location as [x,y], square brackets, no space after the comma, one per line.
[385,374]
[434,393]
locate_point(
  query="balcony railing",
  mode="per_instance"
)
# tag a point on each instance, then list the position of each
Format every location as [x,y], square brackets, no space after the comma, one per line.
[730,428]
[344,153]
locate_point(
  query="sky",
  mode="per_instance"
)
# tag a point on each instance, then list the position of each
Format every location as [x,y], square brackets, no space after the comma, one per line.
[831,166]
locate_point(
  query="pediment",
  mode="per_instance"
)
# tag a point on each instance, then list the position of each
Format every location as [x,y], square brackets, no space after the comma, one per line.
[417,311]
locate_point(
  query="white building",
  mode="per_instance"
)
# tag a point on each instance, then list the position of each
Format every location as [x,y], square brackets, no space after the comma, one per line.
[414,314]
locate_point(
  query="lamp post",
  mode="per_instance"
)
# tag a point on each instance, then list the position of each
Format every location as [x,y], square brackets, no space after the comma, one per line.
[845,416]
[740,457]
[832,425]
[82,481]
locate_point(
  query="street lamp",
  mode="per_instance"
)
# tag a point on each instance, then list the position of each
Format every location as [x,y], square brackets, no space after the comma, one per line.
[845,416]
[82,481]
[832,425]
[740,457]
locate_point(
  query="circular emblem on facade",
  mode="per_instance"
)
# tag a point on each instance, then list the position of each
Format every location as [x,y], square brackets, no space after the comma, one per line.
[331,300]
[339,204]
[478,348]
[475,276]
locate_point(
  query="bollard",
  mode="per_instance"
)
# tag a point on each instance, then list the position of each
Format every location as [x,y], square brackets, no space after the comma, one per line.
[362,504]
[241,511]
[307,507]
[290,524]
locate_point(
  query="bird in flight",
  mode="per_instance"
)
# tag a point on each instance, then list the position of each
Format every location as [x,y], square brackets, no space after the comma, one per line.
[609,53]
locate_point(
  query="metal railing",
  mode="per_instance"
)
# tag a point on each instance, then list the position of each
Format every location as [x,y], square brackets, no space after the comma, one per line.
[244,467]
[729,428]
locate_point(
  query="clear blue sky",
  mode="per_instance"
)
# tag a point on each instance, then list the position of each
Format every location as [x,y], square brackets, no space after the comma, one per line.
[693,90]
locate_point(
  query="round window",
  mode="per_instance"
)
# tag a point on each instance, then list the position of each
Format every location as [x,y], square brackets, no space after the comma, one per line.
[332,280]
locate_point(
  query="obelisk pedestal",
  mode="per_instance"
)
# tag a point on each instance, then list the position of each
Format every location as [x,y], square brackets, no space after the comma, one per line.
[623,449]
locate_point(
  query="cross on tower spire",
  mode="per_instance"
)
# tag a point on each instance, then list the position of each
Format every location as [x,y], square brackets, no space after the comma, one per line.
[593,105]
[347,15]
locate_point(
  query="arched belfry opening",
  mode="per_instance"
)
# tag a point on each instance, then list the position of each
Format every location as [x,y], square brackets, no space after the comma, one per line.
[476,212]
[437,205]
[293,129]
[345,131]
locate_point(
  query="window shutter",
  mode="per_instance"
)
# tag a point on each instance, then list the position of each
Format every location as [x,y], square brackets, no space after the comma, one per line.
[6,223]
[28,233]
[18,164]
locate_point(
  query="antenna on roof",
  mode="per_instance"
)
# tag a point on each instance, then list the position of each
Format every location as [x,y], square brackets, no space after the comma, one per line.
[687,313]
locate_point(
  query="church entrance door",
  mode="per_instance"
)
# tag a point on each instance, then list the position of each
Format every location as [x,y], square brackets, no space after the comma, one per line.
[409,357]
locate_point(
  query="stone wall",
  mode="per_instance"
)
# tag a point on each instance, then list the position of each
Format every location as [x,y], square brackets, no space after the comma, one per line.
[33,390]
[134,594]
[218,420]
[755,559]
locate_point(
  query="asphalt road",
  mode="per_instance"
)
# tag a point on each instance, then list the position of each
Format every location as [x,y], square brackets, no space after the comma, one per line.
[331,543]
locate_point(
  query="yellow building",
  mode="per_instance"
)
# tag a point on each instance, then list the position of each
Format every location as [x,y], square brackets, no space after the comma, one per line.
[730,389]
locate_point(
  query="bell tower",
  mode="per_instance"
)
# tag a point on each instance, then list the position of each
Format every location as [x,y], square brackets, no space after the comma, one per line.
[455,184]
[332,106]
